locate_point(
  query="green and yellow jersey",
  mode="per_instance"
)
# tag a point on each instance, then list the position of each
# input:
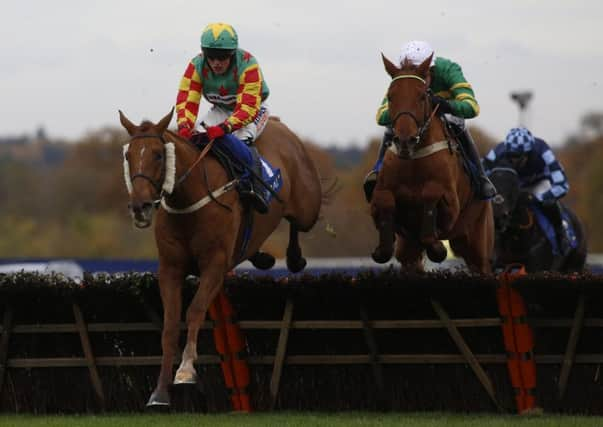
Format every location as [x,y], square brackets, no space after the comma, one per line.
[239,91]
[447,81]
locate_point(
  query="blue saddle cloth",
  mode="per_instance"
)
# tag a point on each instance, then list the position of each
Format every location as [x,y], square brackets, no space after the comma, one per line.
[272,177]
[472,171]
[549,230]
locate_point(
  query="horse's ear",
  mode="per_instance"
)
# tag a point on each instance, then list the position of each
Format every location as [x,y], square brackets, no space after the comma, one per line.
[165,122]
[389,66]
[423,69]
[130,127]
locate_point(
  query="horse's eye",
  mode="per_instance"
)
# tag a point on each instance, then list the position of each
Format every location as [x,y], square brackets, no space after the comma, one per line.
[127,156]
[158,156]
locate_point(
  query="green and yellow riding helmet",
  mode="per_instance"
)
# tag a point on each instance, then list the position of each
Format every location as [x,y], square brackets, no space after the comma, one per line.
[219,41]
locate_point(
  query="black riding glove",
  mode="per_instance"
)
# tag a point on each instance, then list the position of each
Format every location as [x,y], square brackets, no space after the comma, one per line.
[444,106]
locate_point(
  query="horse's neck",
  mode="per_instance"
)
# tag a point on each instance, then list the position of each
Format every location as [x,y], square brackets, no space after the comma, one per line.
[523,219]
[436,132]
[192,186]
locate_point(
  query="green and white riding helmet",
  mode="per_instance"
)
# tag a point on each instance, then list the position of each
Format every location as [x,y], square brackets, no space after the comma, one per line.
[416,51]
[219,40]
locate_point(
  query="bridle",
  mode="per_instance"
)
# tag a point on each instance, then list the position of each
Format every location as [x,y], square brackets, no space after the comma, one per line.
[168,181]
[423,126]
[157,185]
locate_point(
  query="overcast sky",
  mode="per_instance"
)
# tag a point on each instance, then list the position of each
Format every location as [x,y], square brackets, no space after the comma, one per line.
[70,65]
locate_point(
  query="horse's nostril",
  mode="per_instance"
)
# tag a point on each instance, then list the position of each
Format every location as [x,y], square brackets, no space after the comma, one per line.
[139,207]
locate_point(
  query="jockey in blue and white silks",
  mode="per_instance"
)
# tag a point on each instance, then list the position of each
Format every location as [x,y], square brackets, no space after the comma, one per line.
[539,171]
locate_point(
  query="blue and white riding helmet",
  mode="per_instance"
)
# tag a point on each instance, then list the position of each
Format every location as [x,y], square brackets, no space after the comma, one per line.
[519,141]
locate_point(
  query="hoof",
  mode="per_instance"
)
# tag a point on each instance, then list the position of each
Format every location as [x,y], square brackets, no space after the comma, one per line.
[185,377]
[382,256]
[159,399]
[436,252]
[295,265]
[262,260]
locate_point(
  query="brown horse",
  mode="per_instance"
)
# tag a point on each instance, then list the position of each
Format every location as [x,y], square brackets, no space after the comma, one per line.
[422,193]
[199,226]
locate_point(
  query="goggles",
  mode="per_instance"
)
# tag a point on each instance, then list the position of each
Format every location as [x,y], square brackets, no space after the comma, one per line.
[219,54]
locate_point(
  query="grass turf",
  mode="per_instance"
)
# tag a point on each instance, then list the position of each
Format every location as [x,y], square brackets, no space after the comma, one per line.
[346,419]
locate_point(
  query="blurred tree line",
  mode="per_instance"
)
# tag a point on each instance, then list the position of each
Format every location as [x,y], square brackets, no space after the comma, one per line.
[69,199]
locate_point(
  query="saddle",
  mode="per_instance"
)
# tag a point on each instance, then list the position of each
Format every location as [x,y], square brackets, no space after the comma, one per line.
[270,176]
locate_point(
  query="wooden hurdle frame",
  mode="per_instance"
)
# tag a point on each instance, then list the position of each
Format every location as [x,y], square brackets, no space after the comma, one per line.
[284,326]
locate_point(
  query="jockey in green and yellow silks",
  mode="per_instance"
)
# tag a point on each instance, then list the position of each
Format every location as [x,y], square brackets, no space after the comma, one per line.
[453,95]
[230,79]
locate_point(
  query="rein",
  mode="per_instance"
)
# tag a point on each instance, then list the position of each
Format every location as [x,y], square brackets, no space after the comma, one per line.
[163,189]
[195,163]
[530,222]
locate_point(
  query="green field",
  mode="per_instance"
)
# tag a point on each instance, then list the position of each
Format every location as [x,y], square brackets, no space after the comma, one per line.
[348,419]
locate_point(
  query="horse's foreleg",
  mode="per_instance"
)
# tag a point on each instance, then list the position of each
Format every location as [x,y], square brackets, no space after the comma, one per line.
[295,261]
[210,283]
[382,211]
[170,287]
[410,254]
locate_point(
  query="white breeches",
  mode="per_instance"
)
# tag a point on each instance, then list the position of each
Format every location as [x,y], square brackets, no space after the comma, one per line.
[250,132]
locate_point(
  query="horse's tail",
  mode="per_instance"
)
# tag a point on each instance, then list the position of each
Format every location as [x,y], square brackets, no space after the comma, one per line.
[329,189]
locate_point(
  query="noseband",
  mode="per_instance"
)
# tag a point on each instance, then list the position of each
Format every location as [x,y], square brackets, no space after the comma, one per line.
[421,128]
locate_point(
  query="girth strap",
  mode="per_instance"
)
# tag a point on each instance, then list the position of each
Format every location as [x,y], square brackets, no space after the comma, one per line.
[204,201]
[423,152]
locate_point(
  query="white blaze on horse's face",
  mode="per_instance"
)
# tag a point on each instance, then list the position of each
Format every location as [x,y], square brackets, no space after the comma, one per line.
[149,173]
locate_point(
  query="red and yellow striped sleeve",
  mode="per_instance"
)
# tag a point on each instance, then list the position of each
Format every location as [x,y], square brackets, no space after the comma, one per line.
[249,98]
[189,96]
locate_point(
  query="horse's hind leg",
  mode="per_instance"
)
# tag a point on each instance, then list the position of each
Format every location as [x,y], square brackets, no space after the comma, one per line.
[262,260]
[409,254]
[475,255]
[295,261]
[210,283]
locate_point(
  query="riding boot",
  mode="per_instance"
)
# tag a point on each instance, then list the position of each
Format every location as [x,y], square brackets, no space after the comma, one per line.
[486,188]
[251,190]
[552,209]
[371,178]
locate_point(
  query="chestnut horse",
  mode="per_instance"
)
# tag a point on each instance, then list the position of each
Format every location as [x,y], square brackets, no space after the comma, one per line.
[423,194]
[203,230]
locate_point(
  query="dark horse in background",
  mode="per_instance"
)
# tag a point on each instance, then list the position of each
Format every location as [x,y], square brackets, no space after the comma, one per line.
[423,194]
[519,235]
[200,227]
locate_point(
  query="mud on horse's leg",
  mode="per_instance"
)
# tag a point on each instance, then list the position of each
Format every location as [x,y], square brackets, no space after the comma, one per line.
[295,261]
[210,283]
[170,287]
